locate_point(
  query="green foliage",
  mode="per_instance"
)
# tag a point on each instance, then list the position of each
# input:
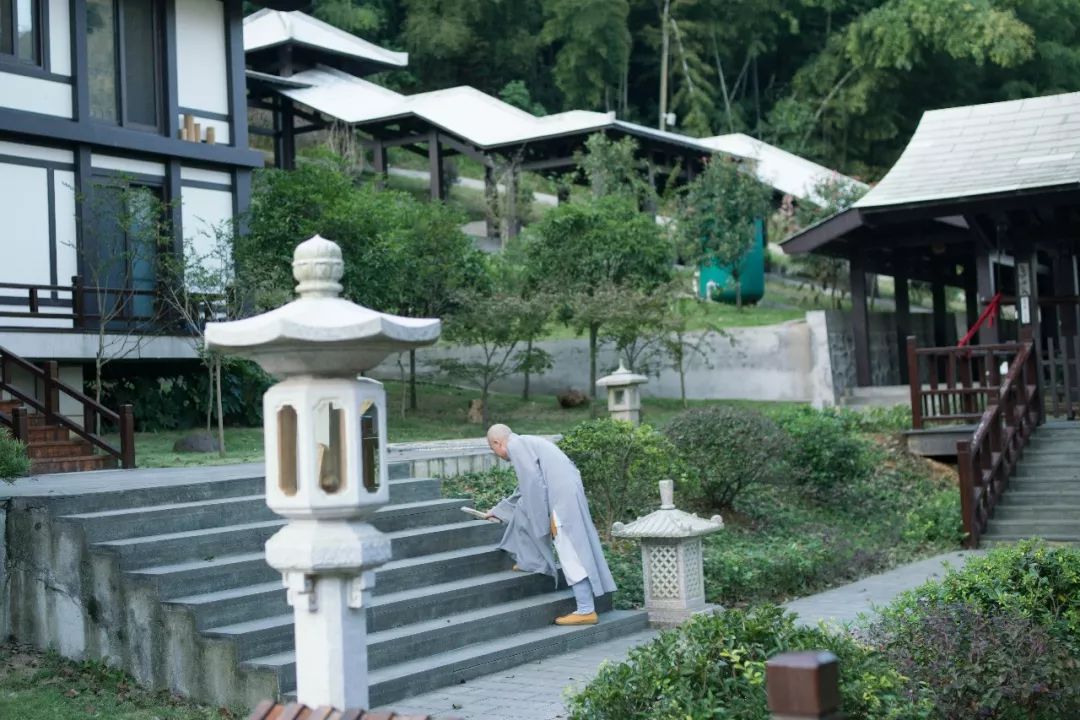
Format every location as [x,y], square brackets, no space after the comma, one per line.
[593,47]
[826,456]
[14,462]
[612,167]
[718,213]
[516,93]
[727,449]
[486,488]
[621,465]
[714,667]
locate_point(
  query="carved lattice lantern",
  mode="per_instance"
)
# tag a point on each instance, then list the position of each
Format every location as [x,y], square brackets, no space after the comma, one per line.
[671,558]
[624,395]
[325,465]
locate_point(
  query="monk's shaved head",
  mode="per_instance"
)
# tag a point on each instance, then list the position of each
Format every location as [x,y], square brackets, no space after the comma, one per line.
[498,432]
[497,437]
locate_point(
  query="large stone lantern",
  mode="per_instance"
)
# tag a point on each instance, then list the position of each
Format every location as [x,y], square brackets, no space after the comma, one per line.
[325,466]
[671,558]
[624,394]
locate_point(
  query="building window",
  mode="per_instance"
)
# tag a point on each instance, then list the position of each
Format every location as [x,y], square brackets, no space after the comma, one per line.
[20,31]
[123,50]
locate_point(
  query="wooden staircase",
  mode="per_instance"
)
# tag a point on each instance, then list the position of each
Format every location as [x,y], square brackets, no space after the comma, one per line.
[54,442]
[51,447]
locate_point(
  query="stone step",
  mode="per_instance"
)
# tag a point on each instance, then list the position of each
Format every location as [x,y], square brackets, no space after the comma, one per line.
[1028,469]
[1036,513]
[1041,497]
[1060,485]
[1042,527]
[240,570]
[208,543]
[997,537]
[393,683]
[453,632]
[265,627]
[221,512]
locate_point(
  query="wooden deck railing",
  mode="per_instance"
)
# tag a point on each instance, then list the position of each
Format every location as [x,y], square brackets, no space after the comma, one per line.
[53,388]
[987,460]
[951,385]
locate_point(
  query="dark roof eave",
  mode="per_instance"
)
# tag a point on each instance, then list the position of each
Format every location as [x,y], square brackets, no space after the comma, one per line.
[831,228]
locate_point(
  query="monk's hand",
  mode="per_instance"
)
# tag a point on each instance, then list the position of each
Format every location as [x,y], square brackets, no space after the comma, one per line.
[554,530]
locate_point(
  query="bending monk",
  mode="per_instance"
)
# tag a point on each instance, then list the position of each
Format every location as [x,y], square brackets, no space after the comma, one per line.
[549,507]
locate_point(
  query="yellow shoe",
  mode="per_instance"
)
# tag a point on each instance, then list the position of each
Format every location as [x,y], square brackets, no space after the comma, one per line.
[517,569]
[575,619]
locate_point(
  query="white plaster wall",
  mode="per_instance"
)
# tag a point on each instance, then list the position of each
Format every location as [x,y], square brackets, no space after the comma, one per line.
[127,165]
[72,376]
[202,212]
[67,254]
[30,94]
[60,36]
[82,346]
[36,152]
[201,62]
[24,210]
[208,176]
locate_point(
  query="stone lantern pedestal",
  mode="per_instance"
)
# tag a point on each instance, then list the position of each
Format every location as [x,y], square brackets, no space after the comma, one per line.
[671,559]
[624,395]
[325,465]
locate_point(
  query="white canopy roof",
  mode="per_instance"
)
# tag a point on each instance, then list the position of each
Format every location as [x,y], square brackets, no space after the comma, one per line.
[986,149]
[268,28]
[785,171]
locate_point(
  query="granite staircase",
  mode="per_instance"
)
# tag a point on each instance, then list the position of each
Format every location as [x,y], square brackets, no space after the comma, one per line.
[1043,499]
[203,614]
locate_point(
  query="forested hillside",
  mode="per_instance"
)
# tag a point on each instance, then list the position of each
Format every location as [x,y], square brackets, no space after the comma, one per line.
[840,81]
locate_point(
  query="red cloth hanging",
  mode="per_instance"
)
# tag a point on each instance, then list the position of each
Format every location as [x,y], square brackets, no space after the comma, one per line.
[987,318]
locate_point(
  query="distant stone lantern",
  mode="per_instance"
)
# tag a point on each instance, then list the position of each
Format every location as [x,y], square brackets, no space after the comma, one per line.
[624,396]
[671,558]
[325,465]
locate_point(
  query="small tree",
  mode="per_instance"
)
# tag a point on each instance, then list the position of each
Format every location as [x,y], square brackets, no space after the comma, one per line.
[123,241]
[834,195]
[201,288]
[680,345]
[634,323]
[717,218]
[495,325]
[613,167]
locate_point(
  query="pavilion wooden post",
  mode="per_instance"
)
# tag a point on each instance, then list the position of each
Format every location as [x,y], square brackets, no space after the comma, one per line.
[971,295]
[1065,286]
[984,282]
[435,167]
[903,316]
[941,337]
[379,162]
[860,321]
[803,686]
[491,203]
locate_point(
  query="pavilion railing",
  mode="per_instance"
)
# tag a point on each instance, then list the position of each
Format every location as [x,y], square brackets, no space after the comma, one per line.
[955,385]
[987,460]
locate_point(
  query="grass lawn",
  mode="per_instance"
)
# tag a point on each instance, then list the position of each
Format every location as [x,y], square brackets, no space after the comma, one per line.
[441,416]
[47,687]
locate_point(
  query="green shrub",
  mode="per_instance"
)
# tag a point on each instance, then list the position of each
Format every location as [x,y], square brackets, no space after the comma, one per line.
[624,560]
[486,488]
[827,453]
[621,465]
[1029,579]
[728,448]
[713,667]
[13,460]
[976,662]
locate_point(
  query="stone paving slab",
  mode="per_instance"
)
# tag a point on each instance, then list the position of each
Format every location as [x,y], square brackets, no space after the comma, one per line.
[535,691]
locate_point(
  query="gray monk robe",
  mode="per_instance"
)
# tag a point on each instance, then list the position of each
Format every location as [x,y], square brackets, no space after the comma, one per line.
[550,486]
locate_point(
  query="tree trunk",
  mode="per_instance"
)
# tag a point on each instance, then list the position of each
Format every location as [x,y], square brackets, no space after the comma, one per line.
[404,395]
[220,414]
[594,331]
[738,291]
[484,407]
[664,43]
[412,380]
[209,392]
[528,351]
[682,381]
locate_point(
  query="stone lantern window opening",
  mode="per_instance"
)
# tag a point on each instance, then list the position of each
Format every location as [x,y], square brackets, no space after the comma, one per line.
[287,458]
[620,398]
[331,440]
[369,445]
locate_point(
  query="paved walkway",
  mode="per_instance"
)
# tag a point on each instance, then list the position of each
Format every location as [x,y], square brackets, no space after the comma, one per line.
[535,691]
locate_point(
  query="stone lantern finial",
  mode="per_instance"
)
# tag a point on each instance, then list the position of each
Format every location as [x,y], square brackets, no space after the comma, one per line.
[671,557]
[318,267]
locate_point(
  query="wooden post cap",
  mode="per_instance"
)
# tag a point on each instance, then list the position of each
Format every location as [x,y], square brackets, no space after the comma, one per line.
[803,684]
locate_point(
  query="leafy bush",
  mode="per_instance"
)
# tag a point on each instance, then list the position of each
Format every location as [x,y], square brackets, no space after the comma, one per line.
[1029,579]
[13,460]
[486,488]
[728,448]
[827,454]
[713,667]
[980,663]
[624,561]
[621,465]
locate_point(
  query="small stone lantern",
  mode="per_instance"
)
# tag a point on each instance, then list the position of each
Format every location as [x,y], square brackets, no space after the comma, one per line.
[325,466]
[671,558]
[623,395]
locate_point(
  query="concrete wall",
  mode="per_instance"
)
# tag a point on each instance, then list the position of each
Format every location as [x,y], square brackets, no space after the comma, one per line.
[759,363]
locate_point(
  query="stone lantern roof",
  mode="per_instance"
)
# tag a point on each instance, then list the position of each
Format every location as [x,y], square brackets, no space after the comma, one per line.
[668,522]
[320,333]
[622,377]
